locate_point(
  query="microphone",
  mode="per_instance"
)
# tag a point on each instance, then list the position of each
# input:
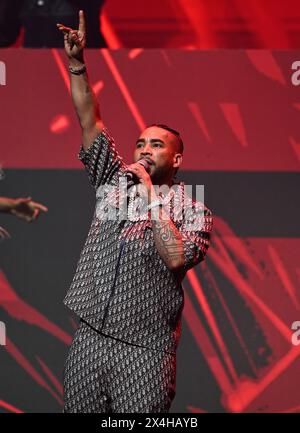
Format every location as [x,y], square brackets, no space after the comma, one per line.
[130,176]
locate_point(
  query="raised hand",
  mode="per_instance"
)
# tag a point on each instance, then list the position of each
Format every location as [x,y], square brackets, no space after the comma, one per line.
[74,40]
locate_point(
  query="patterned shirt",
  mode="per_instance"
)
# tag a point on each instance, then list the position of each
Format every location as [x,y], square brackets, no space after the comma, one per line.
[122,287]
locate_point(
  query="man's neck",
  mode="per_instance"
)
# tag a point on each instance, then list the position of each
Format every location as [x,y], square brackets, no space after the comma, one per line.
[168,182]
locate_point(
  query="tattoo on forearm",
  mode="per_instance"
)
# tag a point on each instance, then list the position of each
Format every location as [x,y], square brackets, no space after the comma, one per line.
[168,241]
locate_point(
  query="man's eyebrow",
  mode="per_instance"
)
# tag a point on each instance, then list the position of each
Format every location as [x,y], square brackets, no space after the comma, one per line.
[151,140]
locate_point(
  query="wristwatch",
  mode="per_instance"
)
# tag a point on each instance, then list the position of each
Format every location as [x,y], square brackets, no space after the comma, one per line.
[78,71]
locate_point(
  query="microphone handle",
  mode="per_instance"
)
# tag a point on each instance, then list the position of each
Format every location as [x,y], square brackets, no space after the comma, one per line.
[129,175]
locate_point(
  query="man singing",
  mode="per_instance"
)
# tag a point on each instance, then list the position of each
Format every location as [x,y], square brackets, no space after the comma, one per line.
[127,287]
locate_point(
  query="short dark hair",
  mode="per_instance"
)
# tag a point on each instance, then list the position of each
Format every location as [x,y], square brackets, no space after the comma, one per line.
[173,131]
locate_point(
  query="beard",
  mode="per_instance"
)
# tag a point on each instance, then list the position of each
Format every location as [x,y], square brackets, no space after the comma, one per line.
[161,175]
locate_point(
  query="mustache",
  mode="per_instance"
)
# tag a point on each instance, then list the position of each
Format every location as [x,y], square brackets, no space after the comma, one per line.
[148,160]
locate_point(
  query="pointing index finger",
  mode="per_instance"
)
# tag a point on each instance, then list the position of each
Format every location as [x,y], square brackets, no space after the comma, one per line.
[39,206]
[81,21]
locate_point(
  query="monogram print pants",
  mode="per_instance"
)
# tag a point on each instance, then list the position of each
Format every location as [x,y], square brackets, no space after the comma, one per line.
[105,375]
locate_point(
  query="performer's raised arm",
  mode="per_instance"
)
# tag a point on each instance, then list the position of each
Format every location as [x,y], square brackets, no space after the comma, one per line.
[84,98]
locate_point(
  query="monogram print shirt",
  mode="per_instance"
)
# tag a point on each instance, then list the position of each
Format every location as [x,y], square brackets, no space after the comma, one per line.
[121,286]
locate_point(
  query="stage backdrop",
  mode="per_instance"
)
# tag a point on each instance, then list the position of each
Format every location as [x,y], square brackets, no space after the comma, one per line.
[238,112]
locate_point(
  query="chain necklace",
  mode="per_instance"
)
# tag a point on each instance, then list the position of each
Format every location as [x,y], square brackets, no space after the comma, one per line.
[137,205]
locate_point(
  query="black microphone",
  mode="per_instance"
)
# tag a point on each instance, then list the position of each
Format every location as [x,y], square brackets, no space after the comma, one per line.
[132,180]
[131,176]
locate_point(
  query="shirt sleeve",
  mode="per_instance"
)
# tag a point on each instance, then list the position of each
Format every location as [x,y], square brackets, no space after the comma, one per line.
[101,160]
[196,231]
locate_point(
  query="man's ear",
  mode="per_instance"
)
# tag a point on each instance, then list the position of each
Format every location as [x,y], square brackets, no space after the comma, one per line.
[177,160]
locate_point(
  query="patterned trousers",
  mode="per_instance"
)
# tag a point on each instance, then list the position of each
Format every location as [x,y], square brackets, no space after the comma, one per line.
[105,375]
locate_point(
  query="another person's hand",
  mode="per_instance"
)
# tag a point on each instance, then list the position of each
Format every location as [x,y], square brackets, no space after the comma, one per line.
[74,40]
[27,209]
[4,234]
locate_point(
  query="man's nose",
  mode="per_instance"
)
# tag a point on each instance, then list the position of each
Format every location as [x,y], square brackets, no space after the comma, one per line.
[147,150]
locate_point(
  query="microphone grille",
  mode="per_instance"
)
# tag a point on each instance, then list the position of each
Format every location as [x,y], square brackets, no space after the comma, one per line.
[144,163]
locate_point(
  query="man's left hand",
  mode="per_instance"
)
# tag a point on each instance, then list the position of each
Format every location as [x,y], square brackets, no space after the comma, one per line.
[140,172]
